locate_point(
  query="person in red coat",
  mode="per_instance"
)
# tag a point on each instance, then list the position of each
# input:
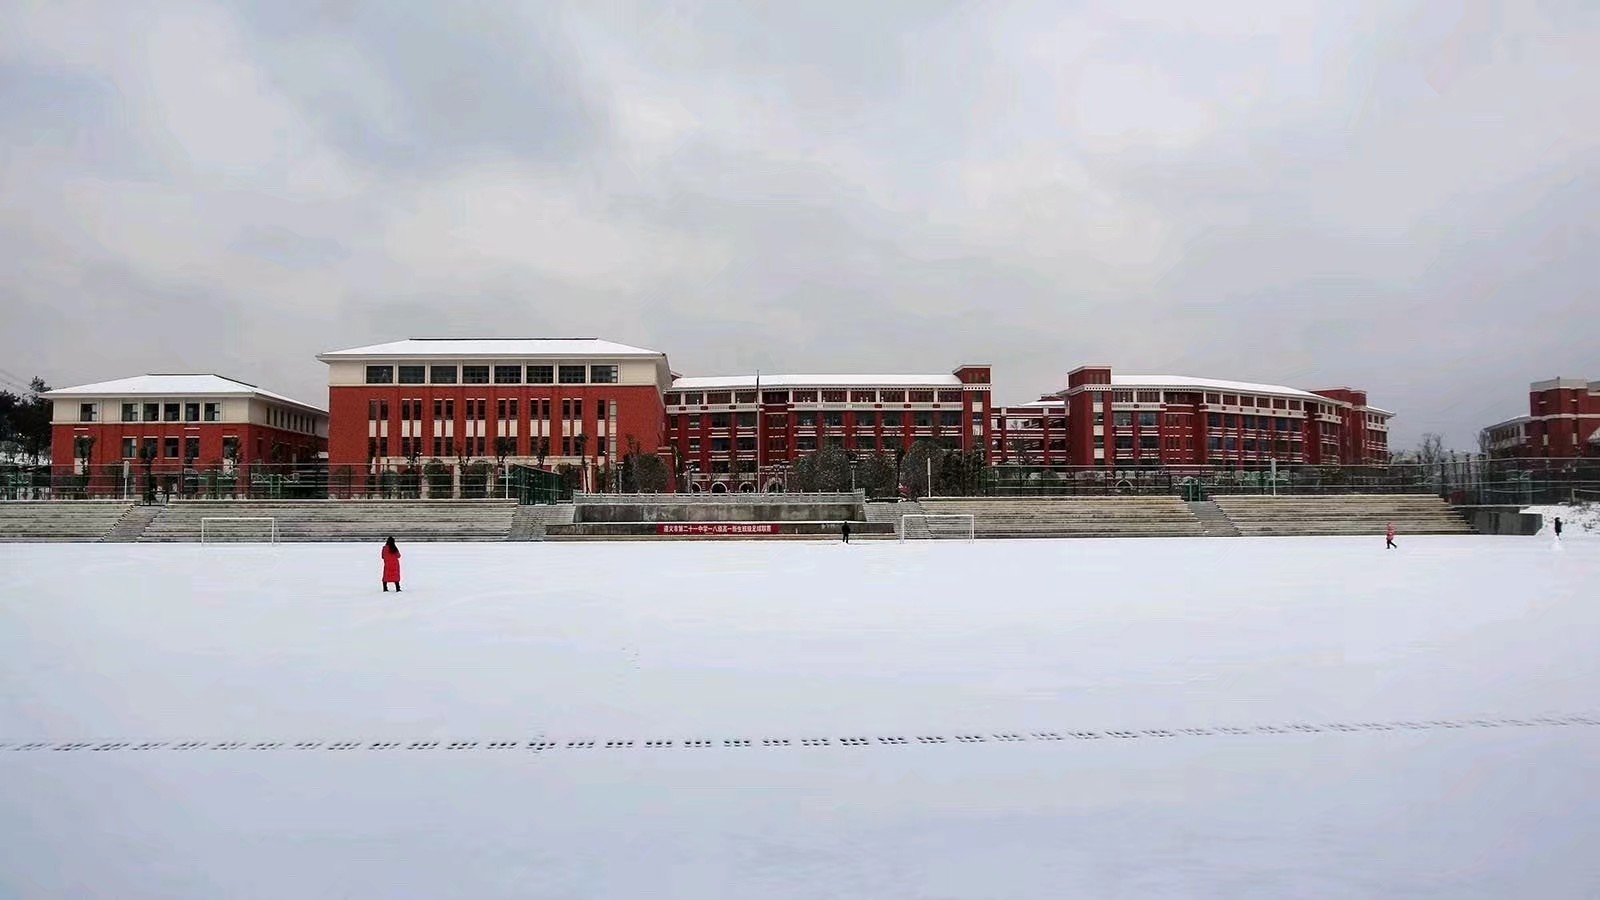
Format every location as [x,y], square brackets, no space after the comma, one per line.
[391,566]
[1388,537]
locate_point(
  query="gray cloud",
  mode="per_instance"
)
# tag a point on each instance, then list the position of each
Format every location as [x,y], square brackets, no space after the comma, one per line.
[1382,194]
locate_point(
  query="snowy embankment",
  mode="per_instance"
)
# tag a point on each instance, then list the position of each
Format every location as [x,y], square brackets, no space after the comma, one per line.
[1576,519]
[310,737]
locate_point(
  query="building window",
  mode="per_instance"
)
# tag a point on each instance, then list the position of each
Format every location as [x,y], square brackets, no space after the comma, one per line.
[130,448]
[169,448]
[1213,420]
[1124,442]
[892,420]
[805,443]
[866,420]
[774,396]
[442,374]
[806,419]
[921,396]
[833,396]
[541,374]
[571,374]
[950,418]
[720,420]
[603,374]
[1147,420]
[1148,442]
[745,420]
[149,449]
[191,412]
[720,445]
[191,448]
[833,419]
[507,374]
[474,374]
[694,399]
[863,396]
[213,412]
[1122,419]
[86,412]
[380,374]
[922,419]
[720,398]
[130,412]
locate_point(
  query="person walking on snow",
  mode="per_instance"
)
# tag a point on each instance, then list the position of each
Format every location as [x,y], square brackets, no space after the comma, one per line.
[844,530]
[1388,537]
[391,566]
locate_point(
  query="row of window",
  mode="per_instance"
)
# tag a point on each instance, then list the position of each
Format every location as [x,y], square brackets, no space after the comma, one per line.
[445,446]
[498,374]
[716,398]
[476,409]
[157,412]
[289,421]
[806,443]
[174,448]
[949,418]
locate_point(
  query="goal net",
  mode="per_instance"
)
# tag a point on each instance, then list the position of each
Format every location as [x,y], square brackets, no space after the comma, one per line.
[238,530]
[937,526]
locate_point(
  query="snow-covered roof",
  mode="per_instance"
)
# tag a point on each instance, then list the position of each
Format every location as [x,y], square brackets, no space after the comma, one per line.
[183,385]
[492,348]
[717,382]
[1212,384]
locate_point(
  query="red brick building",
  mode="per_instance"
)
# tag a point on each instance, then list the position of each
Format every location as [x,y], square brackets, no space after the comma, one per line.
[180,422]
[741,432]
[1563,422]
[1102,419]
[579,401]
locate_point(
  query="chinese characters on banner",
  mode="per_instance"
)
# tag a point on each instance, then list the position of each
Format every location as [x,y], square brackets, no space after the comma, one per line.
[717,528]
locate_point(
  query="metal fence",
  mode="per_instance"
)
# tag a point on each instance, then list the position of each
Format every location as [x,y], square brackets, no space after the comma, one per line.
[476,479]
[1463,479]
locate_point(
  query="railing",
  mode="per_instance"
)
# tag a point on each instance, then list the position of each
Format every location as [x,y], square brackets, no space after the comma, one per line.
[1462,480]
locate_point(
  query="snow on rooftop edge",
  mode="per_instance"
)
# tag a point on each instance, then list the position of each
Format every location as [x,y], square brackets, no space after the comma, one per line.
[709,382]
[175,385]
[493,348]
[1218,384]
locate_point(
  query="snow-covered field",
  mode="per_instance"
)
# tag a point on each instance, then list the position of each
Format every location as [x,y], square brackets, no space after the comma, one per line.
[1044,649]
[1577,519]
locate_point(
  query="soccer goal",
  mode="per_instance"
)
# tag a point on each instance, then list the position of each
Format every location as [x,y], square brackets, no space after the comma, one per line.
[937,527]
[238,530]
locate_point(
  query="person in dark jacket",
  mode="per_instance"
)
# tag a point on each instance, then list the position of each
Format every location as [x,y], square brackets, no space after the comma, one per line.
[391,566]
[1558,528]
[844,530]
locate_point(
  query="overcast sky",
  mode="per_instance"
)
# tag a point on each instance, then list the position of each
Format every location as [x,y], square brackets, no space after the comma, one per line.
[1396,196]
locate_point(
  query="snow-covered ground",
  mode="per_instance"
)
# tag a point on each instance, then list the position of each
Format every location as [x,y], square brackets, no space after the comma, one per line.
[1577,520]
[1180,642]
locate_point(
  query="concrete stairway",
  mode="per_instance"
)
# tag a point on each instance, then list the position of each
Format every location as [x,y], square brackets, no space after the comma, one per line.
[132,525]
[1213,520]
[345,520]
[1336,514]
[59,520]
[531,521]
[1142,516]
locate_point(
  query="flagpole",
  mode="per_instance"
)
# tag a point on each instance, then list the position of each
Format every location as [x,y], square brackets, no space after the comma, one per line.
[760,433]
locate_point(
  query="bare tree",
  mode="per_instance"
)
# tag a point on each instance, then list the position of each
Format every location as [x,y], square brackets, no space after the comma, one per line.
[1431,451]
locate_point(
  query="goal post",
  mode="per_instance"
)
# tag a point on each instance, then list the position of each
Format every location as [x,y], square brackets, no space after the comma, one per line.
[937,527]
[238,529]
